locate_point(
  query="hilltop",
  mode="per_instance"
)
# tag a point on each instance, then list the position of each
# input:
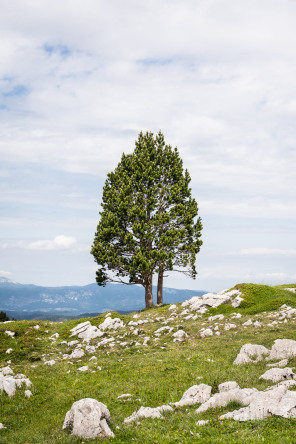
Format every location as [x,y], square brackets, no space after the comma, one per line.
[153,357]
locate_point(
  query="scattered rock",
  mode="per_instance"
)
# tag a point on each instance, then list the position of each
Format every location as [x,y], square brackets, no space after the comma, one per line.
[76,354]
[250,351]
[10,333]
[195,394]
[125,397]
[180,335]
[226,386]
[282,348]
[52,362]
[278,374]
[28,393]
[86,331]
[229,326]
[2,426]
[9,383]
[202,422]
[278,401]
[111,324]
[148,412]
[9,350]
[206,332]
[172,307]
[281,363]
[83,369]
[244,396]
[88,418]
[219,317]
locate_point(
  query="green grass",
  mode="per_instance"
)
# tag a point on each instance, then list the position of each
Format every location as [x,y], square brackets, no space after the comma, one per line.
[154,375]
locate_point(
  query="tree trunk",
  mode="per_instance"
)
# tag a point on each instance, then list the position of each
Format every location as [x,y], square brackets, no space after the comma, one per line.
[160,286]
[148,291]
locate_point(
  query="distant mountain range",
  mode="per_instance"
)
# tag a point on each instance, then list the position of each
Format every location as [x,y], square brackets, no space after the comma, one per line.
[33,301]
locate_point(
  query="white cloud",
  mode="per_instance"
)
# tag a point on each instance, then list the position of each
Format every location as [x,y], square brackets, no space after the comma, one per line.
[5,273]
[60,242]
[268,251]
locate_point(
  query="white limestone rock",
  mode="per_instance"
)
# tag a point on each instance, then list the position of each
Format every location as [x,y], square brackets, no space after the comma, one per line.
[206,332]
[2,426]
[172,307]
[229,326]
[194,395]
[28,393]
[83,369]
[111,324]
[278,374]
[219,317]
[251,353]
[226,386]
[244,396]
[202,303]
[236,301]
[148,412]
[282,363]
[278,401]
[77,354]
[52,362]
[9,350]
[282,348]
[6,371]
[202,422]
[164,329]
[10,333]
[180,335]
[86,331]
[88,418]
[125,397]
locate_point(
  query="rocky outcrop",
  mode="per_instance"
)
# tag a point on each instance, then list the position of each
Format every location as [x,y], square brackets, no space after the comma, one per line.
[88,418]
[278,401]
[278,374]
[251,353]
[201,304]
[283,348]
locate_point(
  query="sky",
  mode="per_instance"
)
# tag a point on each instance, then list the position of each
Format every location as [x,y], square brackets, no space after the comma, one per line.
[79,79]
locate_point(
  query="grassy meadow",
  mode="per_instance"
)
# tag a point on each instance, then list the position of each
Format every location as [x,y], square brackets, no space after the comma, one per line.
[156,374]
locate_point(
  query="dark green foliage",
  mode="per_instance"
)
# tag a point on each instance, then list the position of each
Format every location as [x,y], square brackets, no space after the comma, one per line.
[148,223]
[3,316]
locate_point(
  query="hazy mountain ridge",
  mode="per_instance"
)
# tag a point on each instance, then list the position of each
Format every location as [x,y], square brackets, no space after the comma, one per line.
[73,300]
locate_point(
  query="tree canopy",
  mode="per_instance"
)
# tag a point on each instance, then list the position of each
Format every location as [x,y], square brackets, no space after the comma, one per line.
[148,220]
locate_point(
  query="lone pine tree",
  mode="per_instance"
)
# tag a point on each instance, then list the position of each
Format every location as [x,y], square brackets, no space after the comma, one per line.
[148,220]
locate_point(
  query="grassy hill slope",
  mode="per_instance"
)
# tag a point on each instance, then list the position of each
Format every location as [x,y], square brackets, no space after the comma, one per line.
[155,374]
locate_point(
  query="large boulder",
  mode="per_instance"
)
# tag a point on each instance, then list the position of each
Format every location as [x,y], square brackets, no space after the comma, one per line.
[251,353]
[282,348]
[88,418]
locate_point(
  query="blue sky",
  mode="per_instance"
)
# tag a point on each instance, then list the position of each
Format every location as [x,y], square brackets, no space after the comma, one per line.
[79,80]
